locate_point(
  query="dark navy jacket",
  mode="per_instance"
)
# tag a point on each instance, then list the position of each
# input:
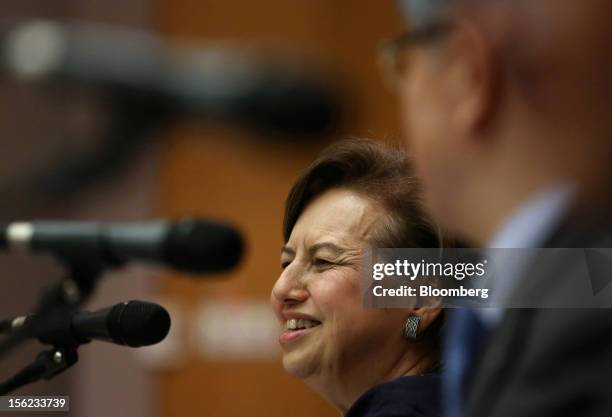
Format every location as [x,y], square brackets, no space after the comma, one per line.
[409,396]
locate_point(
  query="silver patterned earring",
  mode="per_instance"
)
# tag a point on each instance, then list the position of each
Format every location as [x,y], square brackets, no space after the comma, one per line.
[411,327]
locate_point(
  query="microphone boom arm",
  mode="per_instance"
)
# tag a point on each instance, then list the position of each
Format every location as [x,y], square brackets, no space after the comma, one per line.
[47,365]
[58,300]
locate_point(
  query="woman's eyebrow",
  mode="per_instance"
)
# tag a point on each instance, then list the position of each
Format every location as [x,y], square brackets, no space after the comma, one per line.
[287,250]
[314,248]
[326,245]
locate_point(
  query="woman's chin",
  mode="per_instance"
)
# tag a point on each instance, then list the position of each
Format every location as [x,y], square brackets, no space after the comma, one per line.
[298,348]
[297,364]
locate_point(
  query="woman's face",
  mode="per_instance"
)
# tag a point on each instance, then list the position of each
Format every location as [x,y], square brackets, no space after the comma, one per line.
[318,299]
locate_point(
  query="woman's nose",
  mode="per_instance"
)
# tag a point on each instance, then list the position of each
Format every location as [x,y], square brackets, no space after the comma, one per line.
[289,289]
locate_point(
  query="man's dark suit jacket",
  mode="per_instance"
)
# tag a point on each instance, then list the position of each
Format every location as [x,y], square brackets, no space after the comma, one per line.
[549,362]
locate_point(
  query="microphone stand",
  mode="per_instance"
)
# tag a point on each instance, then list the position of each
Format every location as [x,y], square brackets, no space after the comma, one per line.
[134,120]
[59,300]
[134,123]
[47,364]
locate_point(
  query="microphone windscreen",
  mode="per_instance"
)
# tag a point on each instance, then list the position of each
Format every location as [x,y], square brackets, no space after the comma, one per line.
[198,246]
[138,323]
[3,238]
[293,106]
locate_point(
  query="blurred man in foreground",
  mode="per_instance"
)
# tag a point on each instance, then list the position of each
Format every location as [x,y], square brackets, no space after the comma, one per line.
[507,106]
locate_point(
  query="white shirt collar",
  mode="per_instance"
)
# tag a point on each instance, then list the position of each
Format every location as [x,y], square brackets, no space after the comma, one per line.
[529,227]
[535,220]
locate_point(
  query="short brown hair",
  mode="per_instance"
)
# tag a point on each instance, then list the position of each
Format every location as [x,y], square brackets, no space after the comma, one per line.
[380,172]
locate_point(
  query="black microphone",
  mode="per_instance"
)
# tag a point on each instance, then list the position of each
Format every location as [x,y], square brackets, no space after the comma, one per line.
[188,245]
[133,323]
[210,82]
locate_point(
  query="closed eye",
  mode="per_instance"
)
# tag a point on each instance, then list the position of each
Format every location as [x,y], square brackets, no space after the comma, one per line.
[322,262]
[285,264]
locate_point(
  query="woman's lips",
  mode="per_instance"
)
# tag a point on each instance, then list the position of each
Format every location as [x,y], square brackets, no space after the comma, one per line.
[292,335]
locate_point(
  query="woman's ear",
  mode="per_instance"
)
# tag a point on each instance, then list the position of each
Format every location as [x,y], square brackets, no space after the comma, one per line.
[428,316]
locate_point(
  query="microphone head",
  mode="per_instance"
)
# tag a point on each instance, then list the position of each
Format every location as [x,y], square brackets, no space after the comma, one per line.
[3,233]
[199,246]
[291,105]
[138,323]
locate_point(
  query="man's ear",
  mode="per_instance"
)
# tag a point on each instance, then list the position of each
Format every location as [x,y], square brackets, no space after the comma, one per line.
[471,80]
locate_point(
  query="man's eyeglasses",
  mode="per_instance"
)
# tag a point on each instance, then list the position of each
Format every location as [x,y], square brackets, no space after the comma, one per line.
[391,52]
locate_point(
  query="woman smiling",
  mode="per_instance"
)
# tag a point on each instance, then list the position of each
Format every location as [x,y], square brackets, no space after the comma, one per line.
[365,362]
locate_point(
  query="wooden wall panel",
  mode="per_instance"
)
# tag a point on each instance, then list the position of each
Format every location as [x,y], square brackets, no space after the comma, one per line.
[224,173]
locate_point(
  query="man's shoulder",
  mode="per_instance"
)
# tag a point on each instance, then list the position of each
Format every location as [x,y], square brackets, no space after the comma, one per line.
[582,232]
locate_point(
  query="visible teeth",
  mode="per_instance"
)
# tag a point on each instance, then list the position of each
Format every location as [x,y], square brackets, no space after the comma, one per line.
[294,324]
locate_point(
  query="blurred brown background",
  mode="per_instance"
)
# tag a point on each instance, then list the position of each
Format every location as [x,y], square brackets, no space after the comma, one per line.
[221,358]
